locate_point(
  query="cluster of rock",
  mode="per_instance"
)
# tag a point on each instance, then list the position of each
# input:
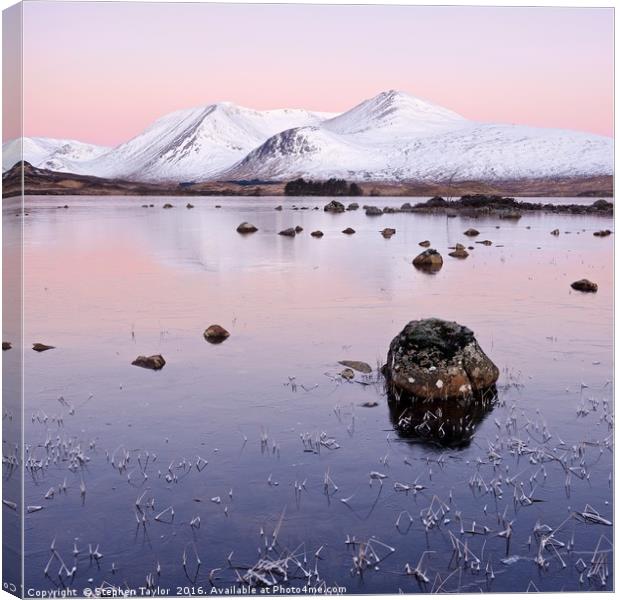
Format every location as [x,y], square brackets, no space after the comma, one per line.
[247,228]
[37,347]
[504,207]
[475,204]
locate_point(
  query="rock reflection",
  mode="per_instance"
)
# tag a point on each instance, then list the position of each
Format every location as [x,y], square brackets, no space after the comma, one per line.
[446,423]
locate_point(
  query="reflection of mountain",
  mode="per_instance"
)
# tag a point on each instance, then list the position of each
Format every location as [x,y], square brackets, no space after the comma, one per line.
[449,423]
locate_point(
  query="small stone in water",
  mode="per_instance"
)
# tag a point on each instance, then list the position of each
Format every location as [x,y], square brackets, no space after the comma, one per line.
[216,334]
[154,362]
[347,374]
[41,347]
[357,365]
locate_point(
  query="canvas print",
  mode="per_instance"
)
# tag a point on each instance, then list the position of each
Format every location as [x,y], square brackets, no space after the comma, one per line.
[307,299]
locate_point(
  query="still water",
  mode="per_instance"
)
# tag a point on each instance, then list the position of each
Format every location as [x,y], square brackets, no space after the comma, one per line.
[225,432]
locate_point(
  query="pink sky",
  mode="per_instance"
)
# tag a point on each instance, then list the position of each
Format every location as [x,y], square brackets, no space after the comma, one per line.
[102,71]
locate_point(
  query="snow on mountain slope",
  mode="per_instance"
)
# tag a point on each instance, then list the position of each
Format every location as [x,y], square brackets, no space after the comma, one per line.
[196,143]
[396,137]
[395,113]
[393,136]
[303,151]
[49,153]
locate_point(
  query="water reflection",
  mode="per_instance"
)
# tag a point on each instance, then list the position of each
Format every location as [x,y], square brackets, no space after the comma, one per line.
[445,423]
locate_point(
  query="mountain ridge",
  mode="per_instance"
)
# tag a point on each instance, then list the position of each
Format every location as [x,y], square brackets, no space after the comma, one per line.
[392,136]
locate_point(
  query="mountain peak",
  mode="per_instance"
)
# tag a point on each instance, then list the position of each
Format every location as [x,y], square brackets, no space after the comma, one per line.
[394,112]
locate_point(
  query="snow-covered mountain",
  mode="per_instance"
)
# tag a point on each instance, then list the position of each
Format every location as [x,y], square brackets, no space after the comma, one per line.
[393,136]
[50,153]
[397,137]
[196,144]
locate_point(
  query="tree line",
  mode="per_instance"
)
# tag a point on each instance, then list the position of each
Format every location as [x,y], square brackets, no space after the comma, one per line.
[331,187]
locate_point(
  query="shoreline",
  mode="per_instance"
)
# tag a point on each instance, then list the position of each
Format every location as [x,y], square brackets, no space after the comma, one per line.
[42,182]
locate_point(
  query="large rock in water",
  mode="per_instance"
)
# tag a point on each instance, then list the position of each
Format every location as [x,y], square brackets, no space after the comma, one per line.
[432,359]
[334,206]
[246,227]
[584,285]
[430,260]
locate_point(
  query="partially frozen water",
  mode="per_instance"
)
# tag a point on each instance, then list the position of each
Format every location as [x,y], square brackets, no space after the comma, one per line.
[107,280]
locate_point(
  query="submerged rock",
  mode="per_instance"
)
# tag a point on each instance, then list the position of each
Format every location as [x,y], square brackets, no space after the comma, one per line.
[510,215]
[429,260]
[357,365]
[154,362]
[388,232]
[485,242]
[288,232]
[317,234]
[459,252]
[6,345]
[584,285]
[42,347]
[246,228]
[215,334]
[471,232]
[334,206]
[347,374]
[433,358]
[348,231]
